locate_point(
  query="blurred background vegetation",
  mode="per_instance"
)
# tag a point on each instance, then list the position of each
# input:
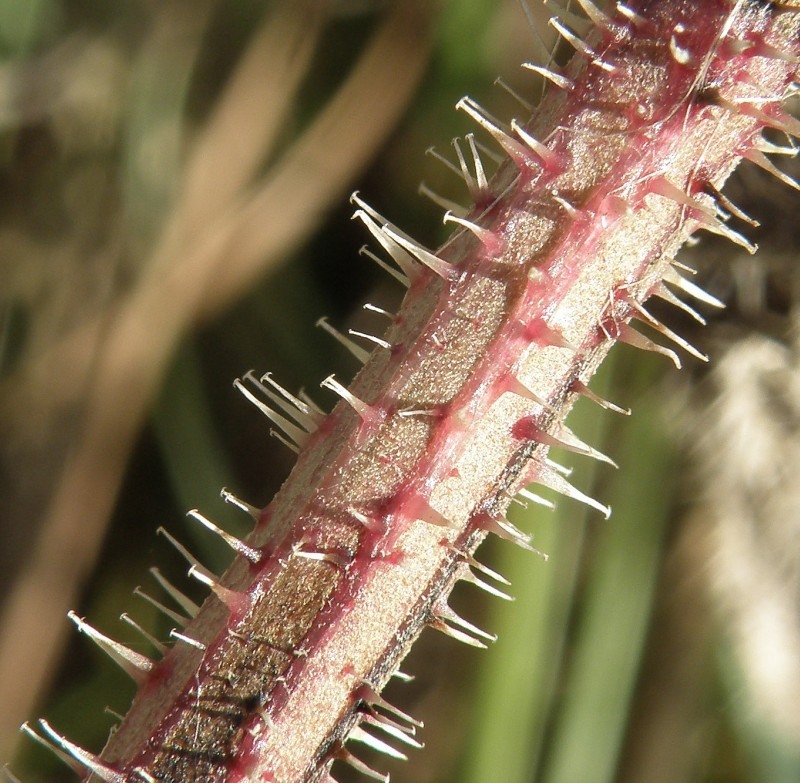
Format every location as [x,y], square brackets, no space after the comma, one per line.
[173,212]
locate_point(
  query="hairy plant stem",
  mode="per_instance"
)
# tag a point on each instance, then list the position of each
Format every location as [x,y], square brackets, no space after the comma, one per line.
[498,333]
